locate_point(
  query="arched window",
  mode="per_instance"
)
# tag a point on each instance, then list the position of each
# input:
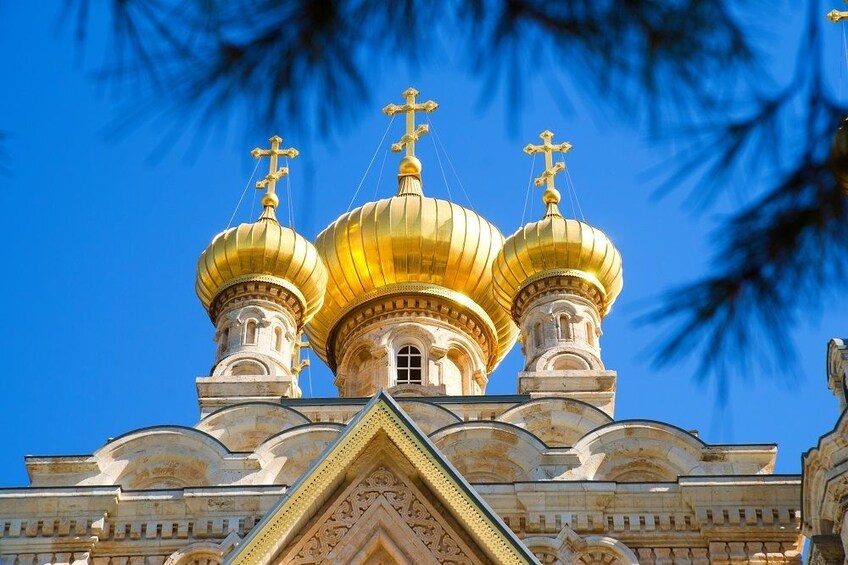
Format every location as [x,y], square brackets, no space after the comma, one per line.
[538,342]
[409,365]
[224,341]
[565,332]
[250,333]
[590,333]
[278,339]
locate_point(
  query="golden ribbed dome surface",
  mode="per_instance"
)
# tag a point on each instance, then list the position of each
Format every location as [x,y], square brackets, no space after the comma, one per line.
[262,251]
[557,246]
[410,244]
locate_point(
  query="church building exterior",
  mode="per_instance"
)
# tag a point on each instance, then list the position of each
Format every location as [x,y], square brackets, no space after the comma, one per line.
[413,301]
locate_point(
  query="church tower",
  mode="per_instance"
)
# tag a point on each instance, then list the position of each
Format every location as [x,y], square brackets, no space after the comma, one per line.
[558,278]
[260,283]
[411,308]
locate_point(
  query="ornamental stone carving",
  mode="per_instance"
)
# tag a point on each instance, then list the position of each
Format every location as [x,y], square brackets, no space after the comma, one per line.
[381,487]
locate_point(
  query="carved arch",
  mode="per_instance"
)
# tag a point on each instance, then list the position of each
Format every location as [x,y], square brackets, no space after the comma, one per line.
[559,422]
[492,451]
[161,457]
[604,550]
[287,455]
[243,427]
[638,450]
[204,553]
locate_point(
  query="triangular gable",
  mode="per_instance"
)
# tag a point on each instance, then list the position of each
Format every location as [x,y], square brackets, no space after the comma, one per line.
[281,526]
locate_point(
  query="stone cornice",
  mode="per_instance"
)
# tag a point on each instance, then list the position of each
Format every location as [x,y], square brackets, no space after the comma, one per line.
[241,293]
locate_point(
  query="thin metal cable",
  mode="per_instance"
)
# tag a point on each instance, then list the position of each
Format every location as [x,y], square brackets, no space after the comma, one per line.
[447,156]
[380,177]
[844,58]
[253,205]
[439,161]
[243,192]
[529,188]
[374,156]
[289,197]
[571,199]
[574,191]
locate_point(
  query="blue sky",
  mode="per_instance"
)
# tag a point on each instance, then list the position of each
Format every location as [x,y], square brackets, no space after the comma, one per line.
[103,333]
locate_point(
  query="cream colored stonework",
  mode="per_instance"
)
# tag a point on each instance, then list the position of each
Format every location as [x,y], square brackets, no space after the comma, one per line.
[574,485]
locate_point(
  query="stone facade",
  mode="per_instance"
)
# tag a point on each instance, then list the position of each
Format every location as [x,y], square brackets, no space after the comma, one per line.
[574,485]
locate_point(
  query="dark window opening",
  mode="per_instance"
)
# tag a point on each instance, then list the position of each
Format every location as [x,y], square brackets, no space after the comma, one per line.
[409,366]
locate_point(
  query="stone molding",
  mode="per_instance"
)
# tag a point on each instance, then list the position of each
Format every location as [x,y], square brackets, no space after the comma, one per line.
[557,284]
[252,291]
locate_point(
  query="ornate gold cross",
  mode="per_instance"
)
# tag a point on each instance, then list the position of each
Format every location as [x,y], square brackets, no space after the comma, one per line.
[274,173]
[548,149]
[836,15]
[412,133]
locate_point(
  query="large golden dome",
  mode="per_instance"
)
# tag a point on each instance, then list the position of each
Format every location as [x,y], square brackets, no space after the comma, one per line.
[263,251]
[555,246]
[410,244]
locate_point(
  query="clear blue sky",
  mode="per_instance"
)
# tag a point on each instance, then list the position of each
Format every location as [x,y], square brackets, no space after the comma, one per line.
[102,332]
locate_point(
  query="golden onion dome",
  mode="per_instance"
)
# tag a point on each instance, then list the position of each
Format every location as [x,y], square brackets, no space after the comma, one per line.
[410,244]
[555,246]
[263,251]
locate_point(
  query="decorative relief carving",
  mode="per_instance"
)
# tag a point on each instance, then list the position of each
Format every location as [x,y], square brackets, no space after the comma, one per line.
[598,556]
[382,483]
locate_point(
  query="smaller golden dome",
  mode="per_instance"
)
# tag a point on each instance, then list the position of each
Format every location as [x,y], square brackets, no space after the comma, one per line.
[263,251]
[555,246]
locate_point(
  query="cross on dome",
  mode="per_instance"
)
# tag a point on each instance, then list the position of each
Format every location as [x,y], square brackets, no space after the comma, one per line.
[551,195]
[274,174]
[412,133]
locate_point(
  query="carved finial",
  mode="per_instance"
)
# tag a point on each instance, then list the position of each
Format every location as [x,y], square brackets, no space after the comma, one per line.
[412,133]
[551,194]
[836,15]
[270,200]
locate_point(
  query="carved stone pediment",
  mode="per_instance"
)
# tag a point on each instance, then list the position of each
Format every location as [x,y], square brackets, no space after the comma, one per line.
[383,505]
[382,492]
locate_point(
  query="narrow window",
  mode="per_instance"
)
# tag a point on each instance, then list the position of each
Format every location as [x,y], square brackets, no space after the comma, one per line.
[537,335]
[250,333]
[224,341]
[278,339]
[409,366]
[590,333]
[565,328]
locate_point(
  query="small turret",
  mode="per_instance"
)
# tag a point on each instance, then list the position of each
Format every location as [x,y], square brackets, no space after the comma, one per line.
[260,283]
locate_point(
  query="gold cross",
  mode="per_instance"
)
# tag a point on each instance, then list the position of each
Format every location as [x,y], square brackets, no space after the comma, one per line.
[412,133]
[548,149]
[836,15]
[274,174]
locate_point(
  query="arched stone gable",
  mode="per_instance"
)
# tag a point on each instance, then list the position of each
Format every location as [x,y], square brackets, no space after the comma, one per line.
[162,457]
[487,452]
[427,416]
[243,427]
[287,455]
[637,451]
[557,421]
